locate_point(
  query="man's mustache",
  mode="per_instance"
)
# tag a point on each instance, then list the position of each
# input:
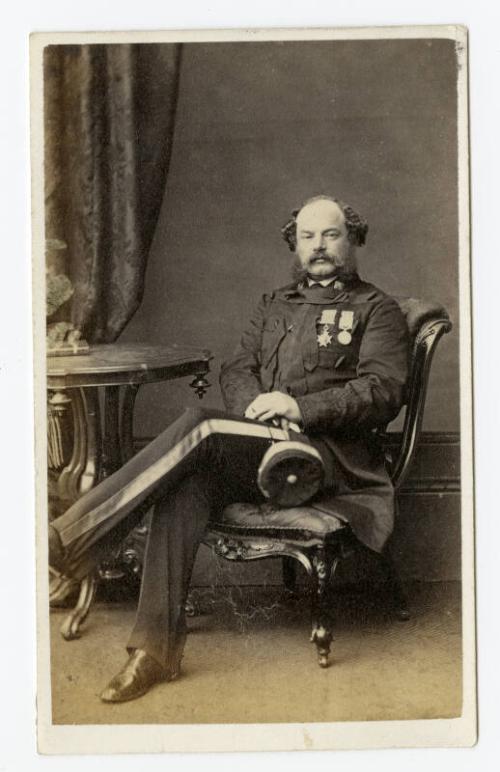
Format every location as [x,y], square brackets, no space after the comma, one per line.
[300,271]
[322,256]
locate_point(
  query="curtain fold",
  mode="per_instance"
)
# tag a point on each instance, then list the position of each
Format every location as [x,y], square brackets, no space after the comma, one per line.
[109,121]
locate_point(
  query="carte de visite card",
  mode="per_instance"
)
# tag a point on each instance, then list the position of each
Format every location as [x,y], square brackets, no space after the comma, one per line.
[252,330]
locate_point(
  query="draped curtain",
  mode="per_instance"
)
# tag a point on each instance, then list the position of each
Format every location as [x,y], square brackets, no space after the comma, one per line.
[109,119]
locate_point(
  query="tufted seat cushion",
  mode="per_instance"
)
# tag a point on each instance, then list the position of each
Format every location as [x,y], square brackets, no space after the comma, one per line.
[264,517]
[416,312]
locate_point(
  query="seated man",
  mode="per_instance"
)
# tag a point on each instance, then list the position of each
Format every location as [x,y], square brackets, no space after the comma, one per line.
[326,355]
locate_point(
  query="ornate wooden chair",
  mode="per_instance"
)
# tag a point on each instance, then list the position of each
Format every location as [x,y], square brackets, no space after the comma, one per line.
[319,540]
[305,534]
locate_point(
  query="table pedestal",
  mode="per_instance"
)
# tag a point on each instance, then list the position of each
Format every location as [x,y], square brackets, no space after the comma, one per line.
[101,444]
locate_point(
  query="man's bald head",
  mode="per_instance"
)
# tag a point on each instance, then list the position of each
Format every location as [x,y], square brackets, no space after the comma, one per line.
[356,225]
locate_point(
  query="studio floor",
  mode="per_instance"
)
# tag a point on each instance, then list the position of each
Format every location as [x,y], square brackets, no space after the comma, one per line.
[248,659]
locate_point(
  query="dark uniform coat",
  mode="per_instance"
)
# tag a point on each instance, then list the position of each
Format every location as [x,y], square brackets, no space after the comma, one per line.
[347,386]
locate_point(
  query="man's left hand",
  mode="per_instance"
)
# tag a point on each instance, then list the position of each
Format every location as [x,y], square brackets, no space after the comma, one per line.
[272,405]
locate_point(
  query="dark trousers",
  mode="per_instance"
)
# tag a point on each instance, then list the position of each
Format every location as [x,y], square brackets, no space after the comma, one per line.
[199,464]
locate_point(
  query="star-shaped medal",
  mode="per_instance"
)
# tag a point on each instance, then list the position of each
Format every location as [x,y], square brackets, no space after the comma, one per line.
[324,338]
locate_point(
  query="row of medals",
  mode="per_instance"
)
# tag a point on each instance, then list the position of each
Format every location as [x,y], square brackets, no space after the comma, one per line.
[345,325]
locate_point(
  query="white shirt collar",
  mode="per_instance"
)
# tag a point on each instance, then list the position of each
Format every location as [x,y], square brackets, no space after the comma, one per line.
[323,282]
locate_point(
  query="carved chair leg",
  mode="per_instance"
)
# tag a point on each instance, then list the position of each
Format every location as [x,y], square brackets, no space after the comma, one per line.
[289,570]
[70,628]
[394,588]
[324,563]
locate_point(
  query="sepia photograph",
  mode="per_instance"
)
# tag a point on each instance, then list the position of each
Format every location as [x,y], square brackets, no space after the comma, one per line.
[252,330]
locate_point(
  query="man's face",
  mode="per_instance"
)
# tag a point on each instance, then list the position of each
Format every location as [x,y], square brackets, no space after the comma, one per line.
[322,241]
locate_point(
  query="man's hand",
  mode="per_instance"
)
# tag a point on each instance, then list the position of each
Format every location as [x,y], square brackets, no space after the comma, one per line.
[274,405]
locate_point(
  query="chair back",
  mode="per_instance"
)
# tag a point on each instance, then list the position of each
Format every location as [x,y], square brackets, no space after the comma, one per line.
[427,322]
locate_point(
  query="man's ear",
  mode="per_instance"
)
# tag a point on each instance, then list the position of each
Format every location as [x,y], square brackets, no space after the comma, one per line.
[289,231]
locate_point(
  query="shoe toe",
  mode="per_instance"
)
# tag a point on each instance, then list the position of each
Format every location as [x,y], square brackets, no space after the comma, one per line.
[121,693]
[109,694]
[125,686]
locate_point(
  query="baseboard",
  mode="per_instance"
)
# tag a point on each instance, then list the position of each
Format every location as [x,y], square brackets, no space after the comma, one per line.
[436,466]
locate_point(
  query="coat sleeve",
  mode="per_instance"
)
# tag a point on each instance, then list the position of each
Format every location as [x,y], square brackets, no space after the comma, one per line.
[376,395]
[239,378]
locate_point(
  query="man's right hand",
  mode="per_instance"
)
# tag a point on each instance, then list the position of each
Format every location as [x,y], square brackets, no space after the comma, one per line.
[280,409]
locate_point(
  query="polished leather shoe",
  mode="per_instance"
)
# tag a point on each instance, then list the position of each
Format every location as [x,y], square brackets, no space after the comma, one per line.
[138,675]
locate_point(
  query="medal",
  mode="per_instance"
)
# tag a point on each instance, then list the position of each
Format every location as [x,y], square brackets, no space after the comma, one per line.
[344,337]
[346,322]
[327,320]
[324,338]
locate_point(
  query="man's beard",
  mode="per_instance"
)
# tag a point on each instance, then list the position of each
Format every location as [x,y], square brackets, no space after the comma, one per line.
[347,268]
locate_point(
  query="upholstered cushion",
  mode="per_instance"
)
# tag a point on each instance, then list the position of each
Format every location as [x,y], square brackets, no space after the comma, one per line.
[264,517]
[418,311]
